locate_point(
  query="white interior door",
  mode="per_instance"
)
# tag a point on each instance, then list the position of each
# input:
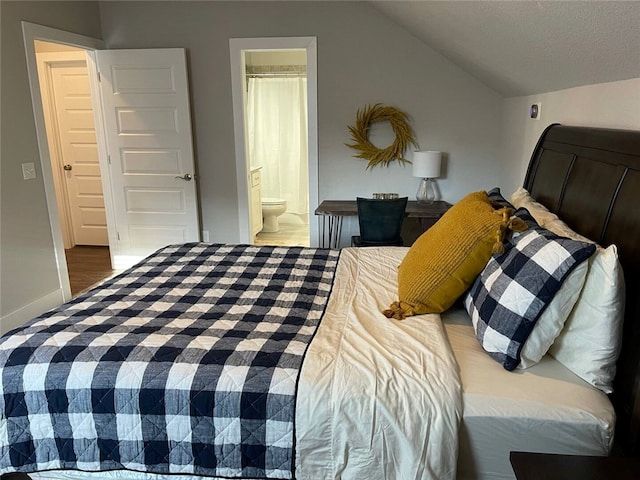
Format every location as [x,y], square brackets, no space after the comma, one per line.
[79,152]
[147,125]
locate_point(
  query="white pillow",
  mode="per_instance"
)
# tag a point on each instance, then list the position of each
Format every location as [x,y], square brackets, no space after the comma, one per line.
[550,323]
[522,199]
[589,344]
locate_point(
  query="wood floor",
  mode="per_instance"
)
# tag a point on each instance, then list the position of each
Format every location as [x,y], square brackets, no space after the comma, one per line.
[87,266]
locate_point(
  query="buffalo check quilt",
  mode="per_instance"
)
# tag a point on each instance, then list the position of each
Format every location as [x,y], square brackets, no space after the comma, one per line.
[186,363]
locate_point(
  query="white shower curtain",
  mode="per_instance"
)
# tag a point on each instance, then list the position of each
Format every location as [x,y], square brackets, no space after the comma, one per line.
[277,138]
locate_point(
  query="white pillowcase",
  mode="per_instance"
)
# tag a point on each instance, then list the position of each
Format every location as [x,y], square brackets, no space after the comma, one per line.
[522,199]
[552,320]
[589,343]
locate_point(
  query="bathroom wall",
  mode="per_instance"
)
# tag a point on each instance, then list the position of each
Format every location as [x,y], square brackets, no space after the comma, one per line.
[291,57]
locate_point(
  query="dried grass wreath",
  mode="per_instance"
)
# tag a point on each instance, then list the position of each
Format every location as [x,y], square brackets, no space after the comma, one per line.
[360,135]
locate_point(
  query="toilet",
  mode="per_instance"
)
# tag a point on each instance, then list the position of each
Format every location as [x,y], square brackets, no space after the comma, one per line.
[272,208]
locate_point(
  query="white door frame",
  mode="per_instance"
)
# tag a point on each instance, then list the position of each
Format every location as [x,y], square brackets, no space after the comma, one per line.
[236,47]
[31,32]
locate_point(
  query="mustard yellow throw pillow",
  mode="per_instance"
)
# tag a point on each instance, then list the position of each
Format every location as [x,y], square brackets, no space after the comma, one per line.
[446,259]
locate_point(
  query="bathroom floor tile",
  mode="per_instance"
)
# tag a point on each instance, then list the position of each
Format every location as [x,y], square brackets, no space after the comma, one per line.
[289,235]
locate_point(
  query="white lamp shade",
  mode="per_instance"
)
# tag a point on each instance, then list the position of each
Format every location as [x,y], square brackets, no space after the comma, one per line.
[426,164]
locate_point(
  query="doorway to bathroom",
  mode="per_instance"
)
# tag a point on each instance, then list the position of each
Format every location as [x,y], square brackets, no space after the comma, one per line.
[275,113]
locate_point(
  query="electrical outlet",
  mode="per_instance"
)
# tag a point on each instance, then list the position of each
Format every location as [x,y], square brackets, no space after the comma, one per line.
[205,235]
[28,171]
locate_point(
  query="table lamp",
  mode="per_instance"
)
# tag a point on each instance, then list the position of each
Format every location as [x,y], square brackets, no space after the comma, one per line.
[426,165]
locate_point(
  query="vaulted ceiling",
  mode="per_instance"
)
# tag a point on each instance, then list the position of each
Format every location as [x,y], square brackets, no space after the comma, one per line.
[529,47]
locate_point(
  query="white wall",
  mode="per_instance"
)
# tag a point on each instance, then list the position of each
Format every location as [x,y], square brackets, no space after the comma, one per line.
[46,47]
[609,105]
[363,58]
[287,57]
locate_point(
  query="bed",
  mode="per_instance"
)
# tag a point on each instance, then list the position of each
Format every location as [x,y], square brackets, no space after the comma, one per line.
[353,394]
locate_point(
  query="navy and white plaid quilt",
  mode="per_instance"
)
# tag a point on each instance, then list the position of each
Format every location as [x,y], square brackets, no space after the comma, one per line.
[186,363]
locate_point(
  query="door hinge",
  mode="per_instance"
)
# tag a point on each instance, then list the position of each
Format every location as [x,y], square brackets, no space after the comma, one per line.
[99,77]
[109,159]
[118,235]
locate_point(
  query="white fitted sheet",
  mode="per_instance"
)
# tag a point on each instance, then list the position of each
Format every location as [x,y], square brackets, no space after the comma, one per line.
[545,408]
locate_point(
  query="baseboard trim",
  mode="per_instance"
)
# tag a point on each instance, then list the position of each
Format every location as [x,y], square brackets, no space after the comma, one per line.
[31,310]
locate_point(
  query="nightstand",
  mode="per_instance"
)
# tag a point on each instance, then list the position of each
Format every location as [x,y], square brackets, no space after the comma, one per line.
[545,466]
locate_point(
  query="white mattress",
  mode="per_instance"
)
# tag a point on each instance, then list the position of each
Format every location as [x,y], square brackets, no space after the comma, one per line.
[545,408]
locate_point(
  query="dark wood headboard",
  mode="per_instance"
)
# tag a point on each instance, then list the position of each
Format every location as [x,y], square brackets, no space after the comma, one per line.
[590,177]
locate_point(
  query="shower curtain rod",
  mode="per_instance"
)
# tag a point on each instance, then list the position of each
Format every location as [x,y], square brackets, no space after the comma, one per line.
[277,74]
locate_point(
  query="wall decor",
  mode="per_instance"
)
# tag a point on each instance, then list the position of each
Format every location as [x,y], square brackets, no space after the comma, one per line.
[381,156]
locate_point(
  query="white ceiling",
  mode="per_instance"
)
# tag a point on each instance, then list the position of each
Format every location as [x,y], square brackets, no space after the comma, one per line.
[529,47]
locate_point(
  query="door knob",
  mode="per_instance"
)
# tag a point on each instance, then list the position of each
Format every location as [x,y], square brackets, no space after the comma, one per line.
[68,167]
[186,177]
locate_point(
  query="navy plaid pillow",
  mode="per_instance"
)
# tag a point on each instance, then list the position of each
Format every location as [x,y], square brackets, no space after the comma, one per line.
[527,218]
[515,287]
[498,199]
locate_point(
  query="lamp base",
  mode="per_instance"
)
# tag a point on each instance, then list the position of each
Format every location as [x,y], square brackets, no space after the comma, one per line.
[427,192]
